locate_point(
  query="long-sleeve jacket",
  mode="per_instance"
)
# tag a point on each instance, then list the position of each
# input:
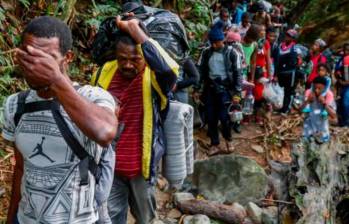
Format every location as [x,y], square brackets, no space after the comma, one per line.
[190,75]
[159,78]
[232,67]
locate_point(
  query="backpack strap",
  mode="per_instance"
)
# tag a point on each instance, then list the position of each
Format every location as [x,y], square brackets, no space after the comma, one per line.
[87,162]
[23,108]
[20,106]
[98,74]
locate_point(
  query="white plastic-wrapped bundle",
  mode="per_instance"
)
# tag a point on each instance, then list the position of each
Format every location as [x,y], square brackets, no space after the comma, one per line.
[274,94]
[179,156]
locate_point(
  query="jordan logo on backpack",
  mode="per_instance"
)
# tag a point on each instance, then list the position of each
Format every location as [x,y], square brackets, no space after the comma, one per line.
[40,151]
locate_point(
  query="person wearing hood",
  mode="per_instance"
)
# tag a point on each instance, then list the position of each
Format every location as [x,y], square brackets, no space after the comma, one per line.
[221,82]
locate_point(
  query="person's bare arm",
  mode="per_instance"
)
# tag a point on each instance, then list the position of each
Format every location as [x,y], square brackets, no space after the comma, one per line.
[96,122]
[270,76]
[16,187]
[332,112]
[343,83]
[269,23]
[253,64]
[132,28]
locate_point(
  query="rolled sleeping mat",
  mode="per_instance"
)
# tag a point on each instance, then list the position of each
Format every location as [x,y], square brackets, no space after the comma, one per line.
[178,141]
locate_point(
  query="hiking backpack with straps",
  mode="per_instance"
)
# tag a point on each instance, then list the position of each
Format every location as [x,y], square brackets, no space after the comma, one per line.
[102,171]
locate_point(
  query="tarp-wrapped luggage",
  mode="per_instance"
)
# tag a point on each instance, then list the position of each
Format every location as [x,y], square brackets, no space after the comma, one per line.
[179,156]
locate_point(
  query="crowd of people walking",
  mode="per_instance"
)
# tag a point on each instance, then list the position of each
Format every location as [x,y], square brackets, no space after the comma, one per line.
[85,154]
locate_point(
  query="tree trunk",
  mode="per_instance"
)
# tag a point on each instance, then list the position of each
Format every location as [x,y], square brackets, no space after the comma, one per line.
[214,210]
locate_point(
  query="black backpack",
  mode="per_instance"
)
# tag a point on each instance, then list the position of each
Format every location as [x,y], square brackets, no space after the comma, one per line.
[162,25]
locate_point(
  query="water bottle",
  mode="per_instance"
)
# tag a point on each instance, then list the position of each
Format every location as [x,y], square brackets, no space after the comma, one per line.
[248,104]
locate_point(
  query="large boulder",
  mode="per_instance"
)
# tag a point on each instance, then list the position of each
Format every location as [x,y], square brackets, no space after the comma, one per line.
[230,178]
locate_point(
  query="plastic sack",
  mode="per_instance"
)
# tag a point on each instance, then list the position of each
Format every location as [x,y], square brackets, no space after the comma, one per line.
[274,94]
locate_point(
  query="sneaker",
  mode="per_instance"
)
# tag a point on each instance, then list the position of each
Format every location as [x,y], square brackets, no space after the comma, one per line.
[306,110]
[324,113]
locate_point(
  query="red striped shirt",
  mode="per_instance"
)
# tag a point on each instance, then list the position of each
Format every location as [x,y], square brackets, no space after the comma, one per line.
[129,146]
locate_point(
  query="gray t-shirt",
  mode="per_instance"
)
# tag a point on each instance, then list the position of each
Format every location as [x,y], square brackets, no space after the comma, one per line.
[50,188]
[216,66]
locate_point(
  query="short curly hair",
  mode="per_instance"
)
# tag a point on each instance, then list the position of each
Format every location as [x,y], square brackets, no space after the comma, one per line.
[49,27]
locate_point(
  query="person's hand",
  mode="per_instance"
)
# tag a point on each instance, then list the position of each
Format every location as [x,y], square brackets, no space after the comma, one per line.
[322,100]
[275,79]
[196,96]
[40,68]
[174,89]
[126,25]
[310,98]
[132,27]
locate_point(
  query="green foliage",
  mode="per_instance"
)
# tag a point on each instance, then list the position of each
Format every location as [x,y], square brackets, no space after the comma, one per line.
[197,23]
[25,3]
[2,15]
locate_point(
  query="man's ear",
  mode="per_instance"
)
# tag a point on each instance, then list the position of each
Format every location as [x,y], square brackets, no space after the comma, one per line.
[69,57]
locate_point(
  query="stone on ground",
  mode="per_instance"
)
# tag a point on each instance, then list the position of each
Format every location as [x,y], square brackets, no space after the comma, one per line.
[229,179]
[239,209]
[254,212]
[196,219]
[174,214]
[269,215]
[182,196]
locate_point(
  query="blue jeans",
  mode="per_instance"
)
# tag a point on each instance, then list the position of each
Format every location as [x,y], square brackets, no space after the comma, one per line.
[136,193]
[344,106]
[217,110]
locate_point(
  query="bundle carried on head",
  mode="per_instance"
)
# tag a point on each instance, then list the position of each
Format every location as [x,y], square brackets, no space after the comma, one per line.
[162,25]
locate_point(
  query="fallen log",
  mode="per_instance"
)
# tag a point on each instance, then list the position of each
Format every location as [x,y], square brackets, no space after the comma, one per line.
[225,213]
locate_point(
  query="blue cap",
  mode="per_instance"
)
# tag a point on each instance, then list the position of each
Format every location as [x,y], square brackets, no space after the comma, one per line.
[216,33]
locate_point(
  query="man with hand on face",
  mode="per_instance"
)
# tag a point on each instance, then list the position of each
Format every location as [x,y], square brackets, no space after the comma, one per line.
[47,184]
[141,78]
